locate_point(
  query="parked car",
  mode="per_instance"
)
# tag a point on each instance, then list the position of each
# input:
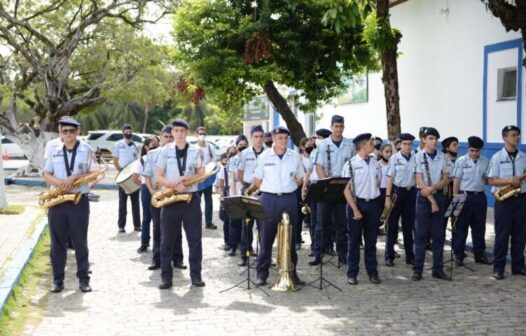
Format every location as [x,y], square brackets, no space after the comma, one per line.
[103,141]
[13,150]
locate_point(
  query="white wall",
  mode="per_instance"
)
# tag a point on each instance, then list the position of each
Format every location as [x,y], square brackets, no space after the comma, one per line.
[440,71]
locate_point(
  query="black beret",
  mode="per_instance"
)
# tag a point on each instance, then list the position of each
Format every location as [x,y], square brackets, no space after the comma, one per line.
[447,141]
[126,127]
[280,130]
[166,129]
[361,137]
[475,142]
[377,138]
[431,131]
[240,138]
[506,129]
[268,134]
[323,132]
[180,123]
[406,137]
[421,131]
[337,119]
[256,128]
[67,120]
[397,141]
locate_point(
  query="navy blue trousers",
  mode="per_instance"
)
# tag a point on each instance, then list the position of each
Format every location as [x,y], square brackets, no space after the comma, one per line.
[510,225]
[429,225]
[68,220]
[312,226]
[136,211]
[209,204]
[146,200]
[331,218]
[247,230]
[368,227]
[274,205]
[473,215]
[156,250]
[404,207]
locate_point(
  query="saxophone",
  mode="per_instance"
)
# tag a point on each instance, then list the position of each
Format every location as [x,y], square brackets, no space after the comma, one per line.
[58,196]
[168,196]
[507,191]
[285,277]
[328,168]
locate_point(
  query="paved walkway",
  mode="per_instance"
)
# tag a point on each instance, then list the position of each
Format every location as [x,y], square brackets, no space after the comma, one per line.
[126,300]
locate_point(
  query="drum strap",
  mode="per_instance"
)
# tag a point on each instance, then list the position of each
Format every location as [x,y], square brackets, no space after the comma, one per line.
[69,168]
[181,154]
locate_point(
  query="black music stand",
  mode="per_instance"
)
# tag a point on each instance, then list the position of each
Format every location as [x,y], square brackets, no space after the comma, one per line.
[325,190]
[249,208]
[453,213]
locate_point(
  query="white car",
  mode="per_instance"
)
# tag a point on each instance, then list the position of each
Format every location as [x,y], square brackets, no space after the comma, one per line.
[103,141]
[13,150]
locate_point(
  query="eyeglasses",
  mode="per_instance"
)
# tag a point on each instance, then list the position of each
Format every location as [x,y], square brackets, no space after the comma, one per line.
[68,130]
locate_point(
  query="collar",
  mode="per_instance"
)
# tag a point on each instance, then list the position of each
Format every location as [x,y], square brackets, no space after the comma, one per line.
[273,153]
[519,153]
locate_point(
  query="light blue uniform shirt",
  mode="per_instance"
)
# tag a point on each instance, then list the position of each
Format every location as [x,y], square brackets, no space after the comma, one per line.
[402,171]
[247,163]
[125,153]
[437,167]
[167,161]
[314,174]
[501,166]
[150,166]
[85,162]
[472,174]
[279,175]
[338,156]
[366,177]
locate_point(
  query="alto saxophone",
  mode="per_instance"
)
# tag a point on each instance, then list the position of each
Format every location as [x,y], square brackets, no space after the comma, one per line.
[507,191]
[285,278]
[58,196]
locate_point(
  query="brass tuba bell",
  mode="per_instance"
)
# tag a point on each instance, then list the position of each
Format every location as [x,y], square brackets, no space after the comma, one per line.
[285,278]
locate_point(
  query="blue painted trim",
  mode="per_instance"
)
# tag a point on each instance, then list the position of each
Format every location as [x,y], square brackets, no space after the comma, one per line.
[511,44]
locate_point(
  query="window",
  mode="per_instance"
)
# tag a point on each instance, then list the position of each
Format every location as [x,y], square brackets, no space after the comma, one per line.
[115,137]
[6,141]
[136,138]
[507,84]
[94,136]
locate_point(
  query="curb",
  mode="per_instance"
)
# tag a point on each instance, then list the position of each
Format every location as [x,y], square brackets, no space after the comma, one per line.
[40,183]
[12,275]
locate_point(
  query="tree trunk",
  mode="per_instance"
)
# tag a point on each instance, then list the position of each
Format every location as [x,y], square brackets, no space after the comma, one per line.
[280,104]
[146,113]
[390,77]
[33,147]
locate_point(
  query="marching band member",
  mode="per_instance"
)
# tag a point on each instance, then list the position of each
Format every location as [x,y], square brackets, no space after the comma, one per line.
[470,179]
[234,225]
[507,168]
[267,140]
[450,148]
[69,161]
[363,210]
[385,153]
[278,174]
[306,148]
[223,184]
[178,162]
[208,156]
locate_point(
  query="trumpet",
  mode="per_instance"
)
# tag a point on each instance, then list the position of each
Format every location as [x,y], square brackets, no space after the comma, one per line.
[305,209]
[386,213]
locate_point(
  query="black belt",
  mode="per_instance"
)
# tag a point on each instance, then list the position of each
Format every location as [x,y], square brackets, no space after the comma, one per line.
[404,188]
[279,194]
[366,199]
[471,192]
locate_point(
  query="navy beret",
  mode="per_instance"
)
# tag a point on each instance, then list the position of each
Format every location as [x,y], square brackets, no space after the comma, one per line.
[180,123]
[431,131]
[506,129]
[256,128]
[397,141]
[323,132]
[337,119]
[406,137]
[377,138]
[67,120]
[240,138]
[421,131]
[447,141]
[475,142]
[361,137]
[166,129]
[126,126]
[268,134]
[280,130]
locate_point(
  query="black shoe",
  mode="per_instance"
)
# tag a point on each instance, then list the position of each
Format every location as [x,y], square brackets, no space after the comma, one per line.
[252,253]
[459,262]
[142,248]
[57,287]
[137,229]
[417,276]
[242,263]
[121,230]
[410,261]
[441,275]
[519,272]
[315,262]
[483,260]
[374,279]
[389,263]
[154,267]
[261,282]
[84,287]
[312,254]
[198,282]
[498,275]
[211,226]
[165,284]
[352,281]
[179,265]
[226,247]
[232,252]
[298,281]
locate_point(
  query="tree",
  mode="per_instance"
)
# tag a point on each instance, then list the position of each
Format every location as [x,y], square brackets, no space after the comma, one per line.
[512,14]
[237,49]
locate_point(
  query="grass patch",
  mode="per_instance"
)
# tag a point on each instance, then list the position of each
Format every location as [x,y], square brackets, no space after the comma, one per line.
[24,306]
[14,209]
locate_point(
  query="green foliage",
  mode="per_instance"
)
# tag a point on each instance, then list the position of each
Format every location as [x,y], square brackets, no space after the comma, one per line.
[379,34]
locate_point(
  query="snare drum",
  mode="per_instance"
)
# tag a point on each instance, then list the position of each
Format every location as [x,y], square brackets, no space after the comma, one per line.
[125,178]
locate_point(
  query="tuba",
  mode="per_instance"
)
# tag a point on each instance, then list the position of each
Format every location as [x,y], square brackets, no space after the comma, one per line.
[285,277]
[507,191]
[57,196]
[168,196]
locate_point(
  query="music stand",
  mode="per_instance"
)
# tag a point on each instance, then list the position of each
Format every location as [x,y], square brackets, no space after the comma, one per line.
[249,208]
[453,212]
[325,190]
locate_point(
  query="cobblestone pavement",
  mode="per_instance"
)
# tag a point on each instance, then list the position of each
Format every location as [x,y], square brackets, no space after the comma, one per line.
[126,301]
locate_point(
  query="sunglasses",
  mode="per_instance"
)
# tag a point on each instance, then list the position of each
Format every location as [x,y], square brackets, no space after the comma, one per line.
[68,130]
